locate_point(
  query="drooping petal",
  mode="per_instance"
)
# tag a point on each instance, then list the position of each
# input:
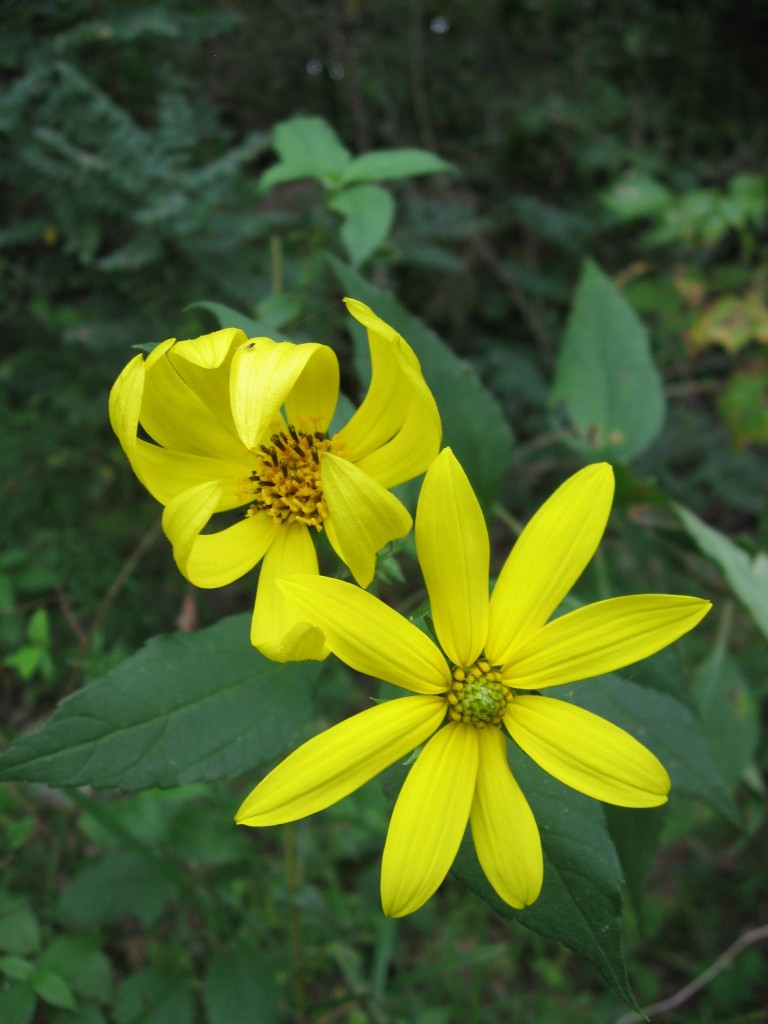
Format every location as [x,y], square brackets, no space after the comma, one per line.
[586,752]
[548,558]
[167,474]
[262,376]
[341,759]
[311,402]
[278,629]
[454,554]
[217,559]
[177,417]
[125,400]
[395,433]
[186,515]
[602,637]
[504,829]
[204,364]
[429,820]
[368,635]
[362,515]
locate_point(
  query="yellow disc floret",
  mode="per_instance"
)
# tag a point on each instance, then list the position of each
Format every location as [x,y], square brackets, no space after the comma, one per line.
[477,695]
[286,482]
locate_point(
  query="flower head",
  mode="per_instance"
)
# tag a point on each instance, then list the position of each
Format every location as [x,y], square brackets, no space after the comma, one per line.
[495,651]
[238,423]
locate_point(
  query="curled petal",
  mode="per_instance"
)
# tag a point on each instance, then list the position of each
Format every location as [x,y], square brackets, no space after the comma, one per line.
[602,637]
[186,515]
[586,752]
[504,830]
[341,759]
[454,554]
[167,474]
[278,629]
[263,374]
[429,820]
[217,559]
[125,407]
[368,635]
[362,516]
[548,558]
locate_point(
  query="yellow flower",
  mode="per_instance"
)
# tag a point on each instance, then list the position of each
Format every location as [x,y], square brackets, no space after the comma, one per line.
[497,651]
[245,423]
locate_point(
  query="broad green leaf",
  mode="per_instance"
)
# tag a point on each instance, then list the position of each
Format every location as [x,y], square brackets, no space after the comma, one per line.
[729,714]
[390,164]
[185,708]
[240,986]
[635,835]
[19,930]
[607,389]
[473,423]
[116,886]
[82,963]
[368,212]
[155,996]
[16,967]
[747,577]
[228,317]
[53,989]
[666,727]
[17,1004]
[636,195]
[580,902]
[308,148]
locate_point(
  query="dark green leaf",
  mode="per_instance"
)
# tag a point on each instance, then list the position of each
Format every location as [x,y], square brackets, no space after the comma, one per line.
[82,963]
[17,1004]
[119,885]
[390,164]
[154,996]
[369,212]
[16,967]
[606,386]
[473,423]
[635,834]
[729,714]
[185,708]
[19,931]
[240,988]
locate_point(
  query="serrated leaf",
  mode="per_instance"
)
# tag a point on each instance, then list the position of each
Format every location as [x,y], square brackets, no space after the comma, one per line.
[368,212]
[239,986]
[391,164]
[747,577]
[473,423]
[606,387]
[666,727]
[186,708]
[580,902]
[308,148]
[229,317]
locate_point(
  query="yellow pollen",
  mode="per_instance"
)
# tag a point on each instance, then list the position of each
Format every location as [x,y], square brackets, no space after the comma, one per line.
[286,482]
[477,695]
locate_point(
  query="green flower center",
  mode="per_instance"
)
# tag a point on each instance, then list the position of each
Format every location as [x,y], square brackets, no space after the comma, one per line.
[477,695]
[286,482]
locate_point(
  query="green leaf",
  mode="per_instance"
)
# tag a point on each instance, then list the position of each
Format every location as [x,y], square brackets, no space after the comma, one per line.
[308,148]
[16,967]
[19,930]
[636,195]
[747,577]
[369,212]
[17,1004]
[391,164]
[121,885]
[580,902]
[82,963]
[52,988]
[240,988]
[185,708]
[228,317]
[635,834]
[666,727]
[473,423]
[606,386]
[154,996]
[729,714]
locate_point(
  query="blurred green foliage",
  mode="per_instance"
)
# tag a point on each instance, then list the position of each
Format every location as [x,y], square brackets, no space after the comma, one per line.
[162,165]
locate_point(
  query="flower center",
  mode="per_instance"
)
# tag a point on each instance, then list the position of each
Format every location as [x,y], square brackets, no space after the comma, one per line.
[477,696]
[286,482]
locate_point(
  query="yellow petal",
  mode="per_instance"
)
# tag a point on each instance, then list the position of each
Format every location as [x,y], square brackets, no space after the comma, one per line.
[429,820]
[368,635]
[395,433]
[453,549]
[362,515]
[504,830]
[278,629]
[311,402]
[217,559]
[586,752]
[166,474]
[125,406]
[548,558]
[186,515]
[338,761]
[263,374]
[602,637]
[204,363]
[176,416]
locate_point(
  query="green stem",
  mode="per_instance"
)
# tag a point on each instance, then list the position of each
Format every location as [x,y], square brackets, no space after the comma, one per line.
[293,881]
[276,257]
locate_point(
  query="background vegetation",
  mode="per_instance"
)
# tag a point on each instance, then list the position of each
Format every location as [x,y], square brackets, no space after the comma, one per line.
[150,174]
